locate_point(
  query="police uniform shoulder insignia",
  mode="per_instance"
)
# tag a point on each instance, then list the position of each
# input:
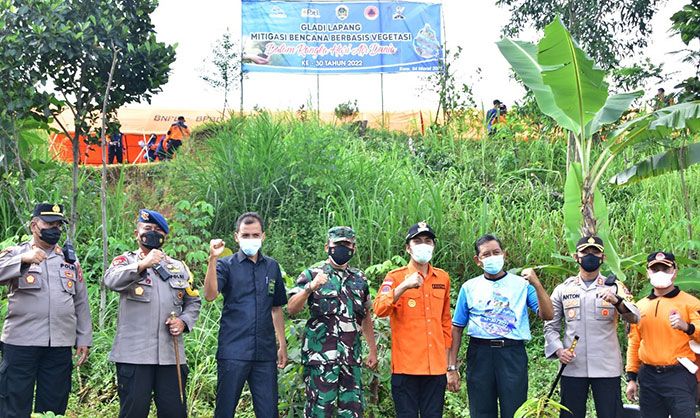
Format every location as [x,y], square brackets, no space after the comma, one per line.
[190,282]
[120,261]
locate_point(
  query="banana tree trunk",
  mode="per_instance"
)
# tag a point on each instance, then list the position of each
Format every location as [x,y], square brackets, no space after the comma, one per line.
[589,221]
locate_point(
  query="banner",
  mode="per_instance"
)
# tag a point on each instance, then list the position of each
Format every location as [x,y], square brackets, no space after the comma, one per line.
[341,37]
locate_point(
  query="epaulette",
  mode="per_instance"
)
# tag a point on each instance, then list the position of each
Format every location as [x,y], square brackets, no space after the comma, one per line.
[190,291]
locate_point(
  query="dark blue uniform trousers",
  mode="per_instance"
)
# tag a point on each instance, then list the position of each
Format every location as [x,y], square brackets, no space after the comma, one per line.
[496,376]
[664,393]
[262,381]
[418,395]
[606,395]
[23,367]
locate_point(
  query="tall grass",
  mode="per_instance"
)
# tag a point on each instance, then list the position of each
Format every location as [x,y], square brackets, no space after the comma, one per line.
[305,177]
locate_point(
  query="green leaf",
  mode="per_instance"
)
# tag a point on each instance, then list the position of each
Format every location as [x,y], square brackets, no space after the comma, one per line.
[522,56]
[615,106]
[656,125]
[573,218]
[578,86]
[659,164]
[612,259]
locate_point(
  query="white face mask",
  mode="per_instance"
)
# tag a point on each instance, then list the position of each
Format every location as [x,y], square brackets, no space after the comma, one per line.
[660,279]
[250,246]
[422,253]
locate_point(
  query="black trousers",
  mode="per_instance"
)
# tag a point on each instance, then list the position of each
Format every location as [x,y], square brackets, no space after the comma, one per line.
[418,395]
[113,152]
[173,145]
[496,376]
[49,368]
[670,392]
[262,381]
[606,395]
[138,383]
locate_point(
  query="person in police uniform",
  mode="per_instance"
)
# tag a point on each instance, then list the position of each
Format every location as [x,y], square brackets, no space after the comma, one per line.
[340,309]
[47,315]
[152,285]
[589,305]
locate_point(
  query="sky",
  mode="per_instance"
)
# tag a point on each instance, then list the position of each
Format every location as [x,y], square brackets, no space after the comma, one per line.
[474,25]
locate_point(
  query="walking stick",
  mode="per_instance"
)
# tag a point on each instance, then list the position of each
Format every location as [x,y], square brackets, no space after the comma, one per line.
[561,368]
[177,362]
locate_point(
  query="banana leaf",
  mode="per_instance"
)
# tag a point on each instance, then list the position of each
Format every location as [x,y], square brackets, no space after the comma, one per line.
[578,85]
[659,164]
[522,57]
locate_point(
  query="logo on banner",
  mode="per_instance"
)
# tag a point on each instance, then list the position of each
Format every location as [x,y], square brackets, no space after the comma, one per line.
[314,13]
[341,12]
[277,13]
[398,13]
[371,12]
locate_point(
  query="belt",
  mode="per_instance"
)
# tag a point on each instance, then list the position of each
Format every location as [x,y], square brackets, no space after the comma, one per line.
[664,369]
[496,343]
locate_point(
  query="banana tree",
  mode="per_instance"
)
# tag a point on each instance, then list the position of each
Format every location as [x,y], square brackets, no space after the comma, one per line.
[571,89]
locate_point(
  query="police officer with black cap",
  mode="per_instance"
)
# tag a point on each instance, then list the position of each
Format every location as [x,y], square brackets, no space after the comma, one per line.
[589,306]
[47,315]
[148,348]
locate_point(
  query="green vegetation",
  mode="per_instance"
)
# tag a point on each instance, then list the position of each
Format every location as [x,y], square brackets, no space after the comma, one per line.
[305,176]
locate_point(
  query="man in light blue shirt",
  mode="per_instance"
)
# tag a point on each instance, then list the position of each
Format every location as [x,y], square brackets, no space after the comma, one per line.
[493,308]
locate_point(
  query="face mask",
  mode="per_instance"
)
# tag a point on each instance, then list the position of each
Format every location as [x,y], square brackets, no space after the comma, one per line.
[340,254]
[661,279]
[493,264]
[422,253]
[50,235]
[590,262]
[152,240]
[250,246]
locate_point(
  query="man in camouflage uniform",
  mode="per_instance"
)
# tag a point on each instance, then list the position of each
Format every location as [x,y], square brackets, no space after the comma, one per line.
[151,286]
[339,305]
[47,315]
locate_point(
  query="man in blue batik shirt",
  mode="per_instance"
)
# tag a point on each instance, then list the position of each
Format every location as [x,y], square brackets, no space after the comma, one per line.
[493,308]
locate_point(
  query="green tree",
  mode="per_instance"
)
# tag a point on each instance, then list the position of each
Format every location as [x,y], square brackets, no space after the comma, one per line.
[572,90]
[70,44]
[607,30]
[686,23]
[224,69]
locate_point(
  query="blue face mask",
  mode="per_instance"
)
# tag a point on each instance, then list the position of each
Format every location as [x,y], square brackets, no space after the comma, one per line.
[493,264]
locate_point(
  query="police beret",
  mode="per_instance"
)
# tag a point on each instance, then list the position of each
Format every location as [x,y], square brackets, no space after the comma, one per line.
[49,212]
[153,217]
[418,229]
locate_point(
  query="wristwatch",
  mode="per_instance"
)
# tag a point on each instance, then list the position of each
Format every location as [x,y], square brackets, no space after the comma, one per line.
[452,368]
[308,289]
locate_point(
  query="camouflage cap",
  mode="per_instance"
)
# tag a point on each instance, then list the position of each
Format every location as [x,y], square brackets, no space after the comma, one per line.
[341,233]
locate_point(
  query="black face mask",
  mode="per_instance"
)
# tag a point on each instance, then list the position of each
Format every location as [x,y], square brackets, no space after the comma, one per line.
[340,254]
[152,240]
[590,262]
[50,235]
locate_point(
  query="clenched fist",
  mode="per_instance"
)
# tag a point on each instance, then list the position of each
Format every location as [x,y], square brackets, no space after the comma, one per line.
[529,275]
[414,280]
[318,281]
[216,247]
[34,256]
[153,258]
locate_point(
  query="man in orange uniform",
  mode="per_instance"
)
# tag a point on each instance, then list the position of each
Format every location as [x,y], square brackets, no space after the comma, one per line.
[177,132]
[417,300]
[659,356]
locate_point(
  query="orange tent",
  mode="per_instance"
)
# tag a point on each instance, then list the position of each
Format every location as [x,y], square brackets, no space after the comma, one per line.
[139,122]
[137,125]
